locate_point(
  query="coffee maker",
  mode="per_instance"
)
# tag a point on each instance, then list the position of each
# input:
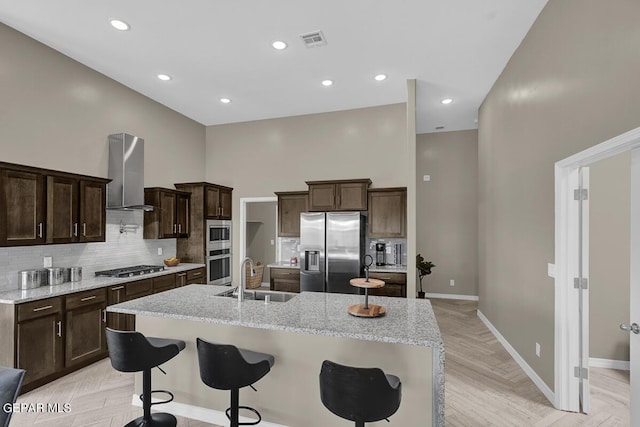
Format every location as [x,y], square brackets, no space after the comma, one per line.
[381,254]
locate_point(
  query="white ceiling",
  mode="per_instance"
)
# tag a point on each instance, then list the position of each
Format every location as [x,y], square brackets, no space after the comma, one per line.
[222,48]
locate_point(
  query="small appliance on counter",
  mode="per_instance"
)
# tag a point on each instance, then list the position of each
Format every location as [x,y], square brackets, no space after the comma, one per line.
[381,254]
[398,253]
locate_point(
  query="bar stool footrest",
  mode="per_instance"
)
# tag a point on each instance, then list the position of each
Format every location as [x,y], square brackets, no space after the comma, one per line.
[161,402]
[248,408]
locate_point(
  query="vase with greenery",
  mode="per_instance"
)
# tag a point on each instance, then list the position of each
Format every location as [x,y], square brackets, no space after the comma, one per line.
[424,267]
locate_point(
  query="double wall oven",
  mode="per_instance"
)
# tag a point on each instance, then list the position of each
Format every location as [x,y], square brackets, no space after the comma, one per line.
[218,252]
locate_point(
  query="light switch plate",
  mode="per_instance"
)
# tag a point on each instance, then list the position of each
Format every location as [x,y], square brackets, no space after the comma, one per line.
[426,178]
[48,261]
[538,349]
[551,270]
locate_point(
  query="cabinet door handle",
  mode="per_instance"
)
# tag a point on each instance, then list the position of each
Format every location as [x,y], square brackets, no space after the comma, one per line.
[117,288]
[104,315]
[46,307]
[88,298]
[59,323]
[84,229]
[199,273]
[174,229]
[179,228]
[40,230]
[75,229]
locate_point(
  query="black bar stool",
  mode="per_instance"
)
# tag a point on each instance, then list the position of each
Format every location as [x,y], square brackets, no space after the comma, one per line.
[359,394]
[10,383]
[226,367]
[131,351]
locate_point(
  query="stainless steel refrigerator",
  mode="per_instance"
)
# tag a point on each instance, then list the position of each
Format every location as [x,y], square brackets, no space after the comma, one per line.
[332,245]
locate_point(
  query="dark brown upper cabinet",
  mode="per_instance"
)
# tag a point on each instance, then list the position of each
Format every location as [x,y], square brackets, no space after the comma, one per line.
[44,206]
[76,210]
[217,202]
[290,205]
[388,212]
[344,195]
[170,215]
[23,207]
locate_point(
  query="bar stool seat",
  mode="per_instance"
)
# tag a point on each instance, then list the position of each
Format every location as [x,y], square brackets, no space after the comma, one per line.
[131,351]
[227,367]
[362,395]
[10,383]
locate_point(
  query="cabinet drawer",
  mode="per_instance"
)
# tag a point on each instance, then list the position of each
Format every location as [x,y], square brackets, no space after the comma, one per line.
[139,288]
[44,307]
[163,283]
[286,285]
[393,278]
[390,290]
[285,273]
[196,276]
[86,298]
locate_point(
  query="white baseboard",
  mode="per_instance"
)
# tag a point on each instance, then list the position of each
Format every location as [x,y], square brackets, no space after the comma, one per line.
[205,415]
[621,365]
[519,360]
[452,296]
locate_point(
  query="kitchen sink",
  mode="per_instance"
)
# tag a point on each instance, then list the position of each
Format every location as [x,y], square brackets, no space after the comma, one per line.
[274,296]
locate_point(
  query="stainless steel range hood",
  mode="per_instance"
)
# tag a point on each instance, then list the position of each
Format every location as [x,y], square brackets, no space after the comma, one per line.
[126,171]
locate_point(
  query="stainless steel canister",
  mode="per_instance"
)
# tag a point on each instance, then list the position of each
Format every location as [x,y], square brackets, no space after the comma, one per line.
[75,274]
[55,275]
[29,279]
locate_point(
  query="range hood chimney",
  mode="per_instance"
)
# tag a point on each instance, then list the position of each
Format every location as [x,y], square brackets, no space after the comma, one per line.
[126,171]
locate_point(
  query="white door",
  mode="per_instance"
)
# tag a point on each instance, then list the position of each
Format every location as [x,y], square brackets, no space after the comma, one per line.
[581,284]
[634,311]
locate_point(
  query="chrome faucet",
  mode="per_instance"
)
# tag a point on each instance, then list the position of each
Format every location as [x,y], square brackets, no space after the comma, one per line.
[243,277]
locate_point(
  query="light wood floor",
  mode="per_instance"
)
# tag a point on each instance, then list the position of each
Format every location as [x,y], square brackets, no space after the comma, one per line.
[483,386]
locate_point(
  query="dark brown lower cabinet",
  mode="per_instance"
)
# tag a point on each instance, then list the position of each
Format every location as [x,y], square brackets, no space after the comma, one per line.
[395,284]
[86,320]
[285,279]
[164,283]
[39,339]
[119,321]
[197,276]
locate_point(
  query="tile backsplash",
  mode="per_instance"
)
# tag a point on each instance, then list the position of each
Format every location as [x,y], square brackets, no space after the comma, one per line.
[390,258]
[119,250]
[288,247]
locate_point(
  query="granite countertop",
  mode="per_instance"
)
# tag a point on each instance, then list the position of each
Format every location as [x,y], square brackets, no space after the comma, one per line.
[388,269]
[19,296]
[408,321]
[283,264]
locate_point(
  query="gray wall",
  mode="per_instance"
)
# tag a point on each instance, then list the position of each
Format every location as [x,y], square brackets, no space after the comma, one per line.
[260,157]
[571,84]
[609,243]
[447,210]
[56,113]
[260,231]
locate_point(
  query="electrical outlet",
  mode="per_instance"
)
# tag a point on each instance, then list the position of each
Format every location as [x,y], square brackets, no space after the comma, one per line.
[48,261]
[452,282]
[159,251]
[426,178]
[538,349]
[273,242]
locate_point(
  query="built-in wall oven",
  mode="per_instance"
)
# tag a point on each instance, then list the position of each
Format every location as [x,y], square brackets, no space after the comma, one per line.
[218,256]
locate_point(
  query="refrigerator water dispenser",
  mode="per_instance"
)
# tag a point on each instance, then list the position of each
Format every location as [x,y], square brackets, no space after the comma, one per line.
[312,260]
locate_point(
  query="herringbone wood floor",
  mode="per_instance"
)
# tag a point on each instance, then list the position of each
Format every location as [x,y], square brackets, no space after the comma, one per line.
[484,387]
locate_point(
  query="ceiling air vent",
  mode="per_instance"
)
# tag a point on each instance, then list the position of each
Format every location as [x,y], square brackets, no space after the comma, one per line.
[314,39]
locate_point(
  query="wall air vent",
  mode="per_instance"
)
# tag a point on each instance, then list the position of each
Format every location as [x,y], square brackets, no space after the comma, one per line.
[314,39]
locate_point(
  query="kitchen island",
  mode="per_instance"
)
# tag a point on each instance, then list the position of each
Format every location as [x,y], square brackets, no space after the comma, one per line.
[300,333]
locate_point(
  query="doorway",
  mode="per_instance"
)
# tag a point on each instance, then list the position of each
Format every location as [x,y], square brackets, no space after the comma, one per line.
[572,272]
[258,228]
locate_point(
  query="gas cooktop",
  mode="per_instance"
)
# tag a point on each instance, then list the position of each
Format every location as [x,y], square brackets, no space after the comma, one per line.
[136,270]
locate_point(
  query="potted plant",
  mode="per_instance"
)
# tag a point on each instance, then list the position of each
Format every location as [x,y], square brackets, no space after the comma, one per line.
[424,267]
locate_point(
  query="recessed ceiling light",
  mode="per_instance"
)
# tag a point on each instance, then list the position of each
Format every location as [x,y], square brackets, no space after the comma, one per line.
[164,77]
[380,77]
[225,100]
[327,82]
[119,25]
[447,101]
[279,45]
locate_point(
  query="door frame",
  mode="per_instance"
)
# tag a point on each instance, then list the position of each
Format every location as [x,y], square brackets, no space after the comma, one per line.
[567,316]
[243,223]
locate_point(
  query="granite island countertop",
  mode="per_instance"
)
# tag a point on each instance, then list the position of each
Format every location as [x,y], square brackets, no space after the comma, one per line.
[408,321]
[20,296]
